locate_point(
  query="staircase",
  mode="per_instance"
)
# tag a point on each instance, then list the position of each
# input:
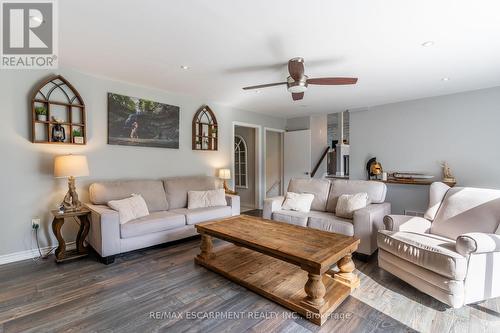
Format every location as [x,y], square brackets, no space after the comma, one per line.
[320,161]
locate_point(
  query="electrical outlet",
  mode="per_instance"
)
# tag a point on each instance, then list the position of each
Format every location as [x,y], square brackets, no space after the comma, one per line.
[35,223]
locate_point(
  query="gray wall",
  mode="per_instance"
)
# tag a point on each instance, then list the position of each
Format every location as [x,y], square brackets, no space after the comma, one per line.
[298,123]
[28,188]
[462,129]
[247,195]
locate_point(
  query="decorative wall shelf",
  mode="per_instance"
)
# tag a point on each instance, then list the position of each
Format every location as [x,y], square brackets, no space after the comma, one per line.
[64,113]
[413,182]
[205,130]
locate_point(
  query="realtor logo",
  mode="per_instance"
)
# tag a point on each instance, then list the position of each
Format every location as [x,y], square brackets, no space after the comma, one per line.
[29,38]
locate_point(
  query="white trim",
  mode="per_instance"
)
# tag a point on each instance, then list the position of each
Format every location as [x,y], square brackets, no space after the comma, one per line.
[282,185]
[258,160]
[30,254]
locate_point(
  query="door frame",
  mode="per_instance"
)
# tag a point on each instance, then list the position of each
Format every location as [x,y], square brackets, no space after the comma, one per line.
[269,129]
[258,160]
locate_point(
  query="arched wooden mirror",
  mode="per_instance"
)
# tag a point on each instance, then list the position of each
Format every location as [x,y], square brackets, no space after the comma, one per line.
[205,131]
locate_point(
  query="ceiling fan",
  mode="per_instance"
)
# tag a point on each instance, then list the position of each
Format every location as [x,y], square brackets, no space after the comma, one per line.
[297,82]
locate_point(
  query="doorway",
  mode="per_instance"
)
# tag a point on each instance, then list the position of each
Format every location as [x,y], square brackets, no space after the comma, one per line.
[273,175]
[246,165]
[297,151]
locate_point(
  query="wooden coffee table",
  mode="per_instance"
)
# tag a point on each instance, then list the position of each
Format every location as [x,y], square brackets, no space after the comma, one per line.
[286,263]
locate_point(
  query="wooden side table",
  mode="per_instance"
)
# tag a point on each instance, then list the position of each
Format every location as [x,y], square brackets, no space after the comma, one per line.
[81,250]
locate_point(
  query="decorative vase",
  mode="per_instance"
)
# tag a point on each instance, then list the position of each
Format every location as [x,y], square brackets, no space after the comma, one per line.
[41,117]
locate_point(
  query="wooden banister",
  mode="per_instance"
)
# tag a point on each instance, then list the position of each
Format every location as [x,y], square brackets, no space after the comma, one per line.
[320,161]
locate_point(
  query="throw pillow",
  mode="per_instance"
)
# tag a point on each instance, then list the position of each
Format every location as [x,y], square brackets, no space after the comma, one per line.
[300,202]
[202,199]
[130,208]
[348,203]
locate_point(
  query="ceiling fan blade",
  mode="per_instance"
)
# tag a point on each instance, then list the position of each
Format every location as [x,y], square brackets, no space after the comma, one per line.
[264,85]
[296,68]
[333,80]
[297,96]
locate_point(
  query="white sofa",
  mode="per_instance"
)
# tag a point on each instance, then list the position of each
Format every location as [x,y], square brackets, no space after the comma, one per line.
[453,254]
[169,217]
[365,223]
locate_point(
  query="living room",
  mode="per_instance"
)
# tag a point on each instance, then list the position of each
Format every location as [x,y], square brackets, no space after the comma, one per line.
[250,166]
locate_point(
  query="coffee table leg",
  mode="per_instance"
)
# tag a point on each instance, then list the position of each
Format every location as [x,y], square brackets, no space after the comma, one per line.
[206,248]
[315,290]
[346,275]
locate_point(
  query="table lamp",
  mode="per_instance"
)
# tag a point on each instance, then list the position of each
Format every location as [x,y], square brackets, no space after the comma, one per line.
[226,174]
[71,166]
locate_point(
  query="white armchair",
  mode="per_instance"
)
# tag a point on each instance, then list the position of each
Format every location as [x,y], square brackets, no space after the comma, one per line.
[454,253]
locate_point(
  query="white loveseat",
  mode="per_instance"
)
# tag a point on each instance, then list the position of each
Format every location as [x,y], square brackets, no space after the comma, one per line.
[453,254]
[169,218]
[365,223]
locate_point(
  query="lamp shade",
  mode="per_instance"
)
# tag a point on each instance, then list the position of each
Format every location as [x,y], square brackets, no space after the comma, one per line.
[224,174]
[71,166]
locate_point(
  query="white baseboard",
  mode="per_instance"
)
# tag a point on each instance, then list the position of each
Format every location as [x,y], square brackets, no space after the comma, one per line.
[30,254]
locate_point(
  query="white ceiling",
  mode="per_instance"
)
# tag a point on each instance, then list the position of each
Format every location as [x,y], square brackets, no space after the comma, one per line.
[230,44]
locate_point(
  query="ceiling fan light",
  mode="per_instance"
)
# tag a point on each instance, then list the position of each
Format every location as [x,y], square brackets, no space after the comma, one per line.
[297,86]
[297,89]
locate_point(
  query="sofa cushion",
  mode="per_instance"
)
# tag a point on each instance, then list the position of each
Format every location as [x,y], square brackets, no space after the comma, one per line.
[376,191]
[446,290]
[197,215]
[329,222]
[291,217]
[299,202]
[154,222]
[177,188]
[318,187]
[210,198]
[437,191]
[130,208]
[432,252]
[347,204]
[151,190]
[467,209]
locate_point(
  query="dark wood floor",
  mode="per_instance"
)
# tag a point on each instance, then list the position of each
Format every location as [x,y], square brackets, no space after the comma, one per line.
[87,296]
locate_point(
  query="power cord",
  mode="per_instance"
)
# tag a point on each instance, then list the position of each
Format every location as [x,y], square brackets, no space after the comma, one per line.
[41,255]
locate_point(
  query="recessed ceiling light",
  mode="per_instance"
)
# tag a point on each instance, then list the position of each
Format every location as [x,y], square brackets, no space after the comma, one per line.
[445,79]
[184,67]
[428,43]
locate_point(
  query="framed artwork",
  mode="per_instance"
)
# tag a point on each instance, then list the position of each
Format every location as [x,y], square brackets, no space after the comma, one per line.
[135,121]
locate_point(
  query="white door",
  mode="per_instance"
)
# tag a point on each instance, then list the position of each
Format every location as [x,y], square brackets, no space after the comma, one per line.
[297,155]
